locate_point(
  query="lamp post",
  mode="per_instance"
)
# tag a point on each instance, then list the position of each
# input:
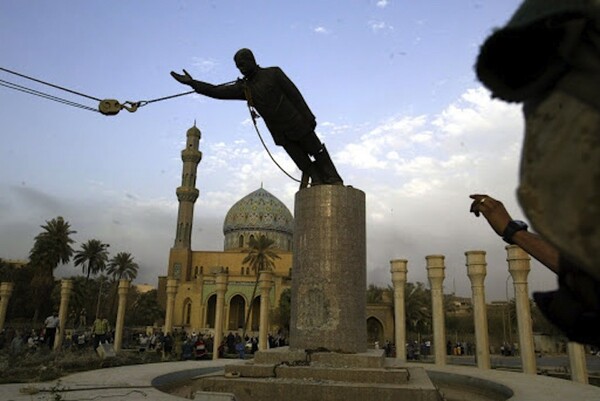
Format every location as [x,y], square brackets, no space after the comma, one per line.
[102,280]
[509,323]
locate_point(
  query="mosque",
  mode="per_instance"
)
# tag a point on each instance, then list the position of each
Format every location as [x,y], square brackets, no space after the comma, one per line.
[189,291]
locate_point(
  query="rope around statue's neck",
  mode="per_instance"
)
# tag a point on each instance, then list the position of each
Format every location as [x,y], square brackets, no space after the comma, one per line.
[254,115]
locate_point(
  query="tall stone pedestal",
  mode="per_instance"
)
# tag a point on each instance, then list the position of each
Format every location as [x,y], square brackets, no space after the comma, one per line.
[329,270]
[327,359]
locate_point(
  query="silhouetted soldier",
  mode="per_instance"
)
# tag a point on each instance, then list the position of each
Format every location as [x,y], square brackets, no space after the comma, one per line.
[281,105]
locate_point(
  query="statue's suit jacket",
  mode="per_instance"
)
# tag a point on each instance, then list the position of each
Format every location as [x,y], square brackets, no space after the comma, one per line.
[274,96]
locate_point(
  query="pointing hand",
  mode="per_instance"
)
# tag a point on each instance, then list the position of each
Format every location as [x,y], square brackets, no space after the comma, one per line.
[185,79]
[493,210]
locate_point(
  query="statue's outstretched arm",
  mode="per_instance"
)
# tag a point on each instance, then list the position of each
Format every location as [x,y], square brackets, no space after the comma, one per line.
[185,79]
[228,91]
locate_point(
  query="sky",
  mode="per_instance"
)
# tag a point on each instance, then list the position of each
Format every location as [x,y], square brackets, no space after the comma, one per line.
[391,82]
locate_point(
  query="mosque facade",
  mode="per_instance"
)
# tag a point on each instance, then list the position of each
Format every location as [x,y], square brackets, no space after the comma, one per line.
[189,290]
[194,301]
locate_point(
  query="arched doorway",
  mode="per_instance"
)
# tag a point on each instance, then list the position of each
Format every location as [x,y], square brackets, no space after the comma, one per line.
[237,305]
[374,331]
[211,311]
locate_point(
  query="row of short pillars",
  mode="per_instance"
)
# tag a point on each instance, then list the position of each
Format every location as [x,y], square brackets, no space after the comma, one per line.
[518,267]
[265,282]
[66,287]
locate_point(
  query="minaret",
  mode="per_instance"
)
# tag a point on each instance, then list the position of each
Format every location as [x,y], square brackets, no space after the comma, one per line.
[187,193]
[180,257]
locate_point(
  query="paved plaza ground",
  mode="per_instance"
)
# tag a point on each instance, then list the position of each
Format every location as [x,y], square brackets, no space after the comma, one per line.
[137,382]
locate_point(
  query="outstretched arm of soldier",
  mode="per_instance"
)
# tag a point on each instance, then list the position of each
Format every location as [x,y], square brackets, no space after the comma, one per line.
[498,217]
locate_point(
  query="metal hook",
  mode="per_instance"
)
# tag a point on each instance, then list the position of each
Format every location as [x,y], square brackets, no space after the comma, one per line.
[133,106]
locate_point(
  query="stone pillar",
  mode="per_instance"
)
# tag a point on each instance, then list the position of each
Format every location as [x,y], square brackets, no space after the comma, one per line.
[435,274]
[577,362]
[171,292]
[399,269]
[63,312]
[476,270]
[265,282]
[6,290]
[221,284]
[330,280]
[123,290]
[518,267]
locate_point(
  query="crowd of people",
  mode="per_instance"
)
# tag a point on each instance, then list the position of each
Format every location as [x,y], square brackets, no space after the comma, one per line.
[416,350]
[183,345]
[179,345]
[18,341]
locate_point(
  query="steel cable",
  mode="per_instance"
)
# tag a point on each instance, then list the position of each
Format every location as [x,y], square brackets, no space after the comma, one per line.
[43,95]
[49,84]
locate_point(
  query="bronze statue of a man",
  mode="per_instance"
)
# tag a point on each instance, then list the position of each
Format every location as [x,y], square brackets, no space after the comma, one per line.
[281,105]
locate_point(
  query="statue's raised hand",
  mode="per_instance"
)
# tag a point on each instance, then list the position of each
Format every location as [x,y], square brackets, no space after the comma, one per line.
[185,79]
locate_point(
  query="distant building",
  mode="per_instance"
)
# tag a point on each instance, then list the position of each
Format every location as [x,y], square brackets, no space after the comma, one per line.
[459,306]
[18,263]
[143,288]
[256,214]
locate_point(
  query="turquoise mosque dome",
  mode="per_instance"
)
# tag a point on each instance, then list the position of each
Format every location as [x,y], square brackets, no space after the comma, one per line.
[258,213]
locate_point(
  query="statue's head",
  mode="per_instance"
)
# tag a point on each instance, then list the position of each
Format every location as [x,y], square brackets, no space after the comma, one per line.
[245,62]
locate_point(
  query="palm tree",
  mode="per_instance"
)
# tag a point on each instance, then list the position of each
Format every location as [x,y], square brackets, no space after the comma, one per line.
[51,248]
[92,257]
[145,310]
[81,298]
[417,301]
[53,245]
[374,294]
[122,266]
[7,272]
[260,257]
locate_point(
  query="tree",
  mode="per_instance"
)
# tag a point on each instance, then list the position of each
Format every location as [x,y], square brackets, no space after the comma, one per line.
[374,294]
[7,272]
[122,266]
[53,245]
[20,305]
[82,300]
[145,310]
[284,310]
[51,248]
[462,326]
[260,257]
[92,257]
[417,301]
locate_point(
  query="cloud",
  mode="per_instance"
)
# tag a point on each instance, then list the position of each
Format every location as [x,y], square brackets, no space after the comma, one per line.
[416,171]
[374,146]
[378,26]
[382,3]
[469,130]
[128,223]
[204,65]
[321,30]
[419,173]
